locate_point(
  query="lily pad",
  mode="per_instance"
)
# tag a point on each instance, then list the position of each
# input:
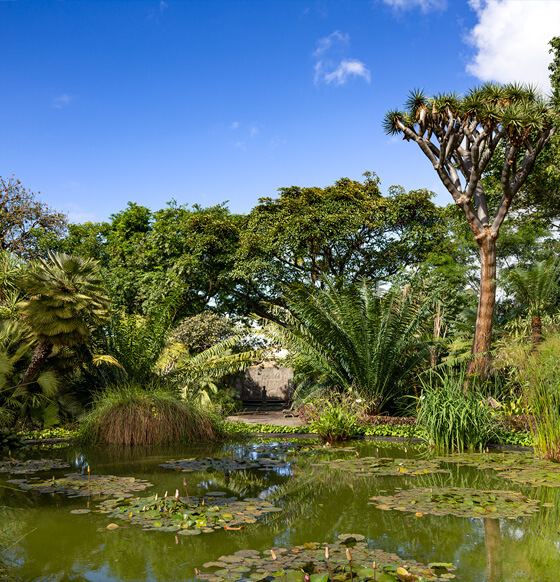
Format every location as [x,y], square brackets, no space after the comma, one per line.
[459,502]
[293,564]
[373,466]
[32,466]
[187,515]
[78,485]
[220,464]
[518,467]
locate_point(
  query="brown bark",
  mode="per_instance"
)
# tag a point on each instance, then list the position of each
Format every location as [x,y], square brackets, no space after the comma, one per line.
[40,355]
[486,302]
[492,542]
[536,330]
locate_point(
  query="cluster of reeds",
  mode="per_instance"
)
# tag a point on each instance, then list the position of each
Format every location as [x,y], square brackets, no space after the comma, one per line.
[453,411]
[133,415]
[541,390]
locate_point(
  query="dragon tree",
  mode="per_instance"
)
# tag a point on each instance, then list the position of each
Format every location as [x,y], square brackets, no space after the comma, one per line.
[509,124]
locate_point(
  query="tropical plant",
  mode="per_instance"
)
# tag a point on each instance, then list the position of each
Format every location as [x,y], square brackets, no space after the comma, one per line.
[337,418]
[135,414]
[40,400]
[351,340]
[536,290]
[452,415]
[66,299]
[197,376]
[460,136]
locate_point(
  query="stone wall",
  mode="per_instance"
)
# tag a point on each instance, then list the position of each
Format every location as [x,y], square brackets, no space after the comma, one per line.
[276,380]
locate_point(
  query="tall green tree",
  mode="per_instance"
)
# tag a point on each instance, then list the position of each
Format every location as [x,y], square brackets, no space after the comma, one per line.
[460,135]
[66,299]
[24,220]
[346,231]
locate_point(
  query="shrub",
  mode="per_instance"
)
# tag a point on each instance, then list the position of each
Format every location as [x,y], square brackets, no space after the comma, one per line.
[337,418]
[453,412]
[129,414]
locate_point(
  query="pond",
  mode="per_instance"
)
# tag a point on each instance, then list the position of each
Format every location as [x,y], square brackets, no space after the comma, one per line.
[494,516]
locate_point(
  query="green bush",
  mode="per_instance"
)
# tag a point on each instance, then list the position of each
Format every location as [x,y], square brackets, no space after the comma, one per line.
[132,415]
[453,413]
[337,419]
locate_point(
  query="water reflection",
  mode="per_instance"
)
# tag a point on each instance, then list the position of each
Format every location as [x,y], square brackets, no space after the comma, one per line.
[318,505]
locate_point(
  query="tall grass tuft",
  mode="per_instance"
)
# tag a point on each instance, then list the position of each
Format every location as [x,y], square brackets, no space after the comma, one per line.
[540,378]
[453,412]
[132,415]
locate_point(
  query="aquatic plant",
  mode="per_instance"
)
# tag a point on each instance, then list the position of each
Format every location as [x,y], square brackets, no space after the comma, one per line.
[521,468]
[337,419]
[190,515]
[16,467]
[540,378]
[452,415]
[374,466]
[458,501]
[347,559]
[84,485]
[133,415]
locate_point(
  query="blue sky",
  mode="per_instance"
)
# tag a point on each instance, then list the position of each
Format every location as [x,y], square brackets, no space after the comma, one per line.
[202,102]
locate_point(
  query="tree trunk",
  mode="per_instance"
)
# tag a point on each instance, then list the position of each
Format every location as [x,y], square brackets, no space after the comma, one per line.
[536,330]
[486,302]
[40,355]
[492,542]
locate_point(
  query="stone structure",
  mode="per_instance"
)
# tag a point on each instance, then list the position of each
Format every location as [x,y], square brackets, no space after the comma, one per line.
[265,384]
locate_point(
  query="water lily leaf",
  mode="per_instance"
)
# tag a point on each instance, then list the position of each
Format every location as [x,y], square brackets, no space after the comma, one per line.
[78,485]
[374,466]
[290,564]
[183,514]
[16,467]
[459,502]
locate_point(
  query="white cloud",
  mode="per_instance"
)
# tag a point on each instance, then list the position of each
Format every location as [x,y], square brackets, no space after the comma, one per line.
[331,70]
[346,69]
[254,132]
[62,100]
[234,125]
[424,5]
[327,42]
[511,40]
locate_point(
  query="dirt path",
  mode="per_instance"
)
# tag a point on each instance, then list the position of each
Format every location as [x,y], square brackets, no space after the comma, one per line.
[267,417]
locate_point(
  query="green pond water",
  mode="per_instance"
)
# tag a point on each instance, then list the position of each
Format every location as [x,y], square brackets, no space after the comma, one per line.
[318,502]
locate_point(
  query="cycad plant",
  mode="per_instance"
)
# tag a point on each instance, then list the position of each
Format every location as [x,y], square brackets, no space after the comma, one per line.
[66,298]
[352,340]
[535,289]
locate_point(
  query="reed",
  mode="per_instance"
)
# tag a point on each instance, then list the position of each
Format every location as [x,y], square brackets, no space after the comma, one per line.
[453,412]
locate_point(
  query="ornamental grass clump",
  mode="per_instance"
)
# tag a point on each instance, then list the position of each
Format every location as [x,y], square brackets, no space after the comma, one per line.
[453,413]
[540,378]
[132,415]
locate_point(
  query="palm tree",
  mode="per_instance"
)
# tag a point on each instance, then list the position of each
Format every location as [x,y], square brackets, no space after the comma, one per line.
[536,288]
[66,299]
[350,339]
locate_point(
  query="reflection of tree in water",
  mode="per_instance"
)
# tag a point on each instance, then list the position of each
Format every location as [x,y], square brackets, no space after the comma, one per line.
[11,531]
